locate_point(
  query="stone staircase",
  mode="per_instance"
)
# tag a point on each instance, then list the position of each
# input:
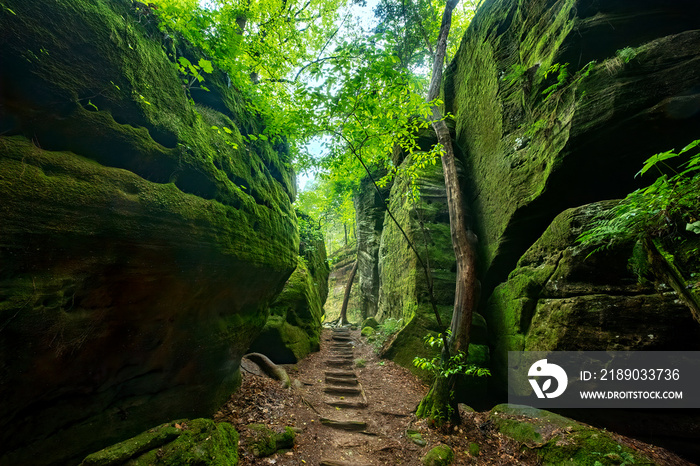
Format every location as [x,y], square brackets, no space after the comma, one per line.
[343,389]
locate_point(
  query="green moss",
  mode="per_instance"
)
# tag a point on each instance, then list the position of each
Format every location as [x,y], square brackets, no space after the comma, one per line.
[558,440]
[441,455]
[370,322]
[368,331]
[178,443]
[265,442]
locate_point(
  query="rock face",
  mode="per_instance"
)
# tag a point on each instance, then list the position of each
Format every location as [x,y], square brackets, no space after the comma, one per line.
[293,329]
[539,140]
[403,290]
[139,248]
[342,262]
[559,299]
[370,209]
[556,105]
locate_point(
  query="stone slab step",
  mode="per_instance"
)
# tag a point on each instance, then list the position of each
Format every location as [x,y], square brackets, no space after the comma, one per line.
[340,463]
[333,390]
[339,362]
[340,373]
[342,356]
[347,404]
[354,426]
[341,338]
[341,381]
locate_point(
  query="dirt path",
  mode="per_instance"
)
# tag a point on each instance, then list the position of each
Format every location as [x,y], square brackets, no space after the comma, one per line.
[352,409]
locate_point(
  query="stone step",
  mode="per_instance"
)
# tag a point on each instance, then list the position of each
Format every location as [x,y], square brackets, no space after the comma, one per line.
[333,390]
[347,404]
[342,338]
[355,426]
[340,373]
[342,356]
[326,462]
[341,330]
[341,381]
[339,362]
[341,345]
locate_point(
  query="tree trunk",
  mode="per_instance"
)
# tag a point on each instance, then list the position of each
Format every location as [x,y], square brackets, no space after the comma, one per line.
[439,405]
[345,229]
[346,299]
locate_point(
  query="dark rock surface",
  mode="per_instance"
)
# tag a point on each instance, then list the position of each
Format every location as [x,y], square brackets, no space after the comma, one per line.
[533,150]
[139,248]
[560,299]
[370,209]
[294,327]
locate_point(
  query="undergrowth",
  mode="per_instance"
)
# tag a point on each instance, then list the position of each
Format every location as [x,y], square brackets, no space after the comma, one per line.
[667,208]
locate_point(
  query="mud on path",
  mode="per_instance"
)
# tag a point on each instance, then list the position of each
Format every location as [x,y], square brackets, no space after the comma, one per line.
[351,408]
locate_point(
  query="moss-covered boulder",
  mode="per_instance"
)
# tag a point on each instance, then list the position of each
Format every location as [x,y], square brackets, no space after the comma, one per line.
[293,329]
[441,455]
[561,298]
[263,441]
[140,248]
[178,443]
[558,103]
[558,440]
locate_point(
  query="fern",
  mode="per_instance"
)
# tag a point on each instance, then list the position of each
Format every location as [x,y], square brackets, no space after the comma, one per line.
[652,212]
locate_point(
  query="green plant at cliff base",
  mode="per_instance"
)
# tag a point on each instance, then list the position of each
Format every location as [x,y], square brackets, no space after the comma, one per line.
[657,211]
[454,365]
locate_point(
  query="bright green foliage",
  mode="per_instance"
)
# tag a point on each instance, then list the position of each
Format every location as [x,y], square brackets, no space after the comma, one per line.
[454,365]
[667,205]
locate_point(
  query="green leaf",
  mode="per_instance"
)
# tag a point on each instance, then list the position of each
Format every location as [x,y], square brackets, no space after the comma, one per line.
[654,159]
[206,65]
[690,146]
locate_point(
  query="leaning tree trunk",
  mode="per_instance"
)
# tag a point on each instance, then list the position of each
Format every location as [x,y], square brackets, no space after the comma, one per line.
[439,405]
[346,299]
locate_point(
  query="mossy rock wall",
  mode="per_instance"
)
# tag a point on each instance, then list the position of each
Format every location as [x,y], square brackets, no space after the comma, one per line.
[139,248]
[341,263]
[530,153]
[293,329]
[561,299]
[538,143]
[403,292]
[370,209]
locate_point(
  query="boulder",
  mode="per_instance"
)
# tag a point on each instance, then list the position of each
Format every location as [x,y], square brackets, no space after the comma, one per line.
[293,328]
[558,103]
[197,441]
[441,455]
[560,298]
[139,247]
[559,440]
